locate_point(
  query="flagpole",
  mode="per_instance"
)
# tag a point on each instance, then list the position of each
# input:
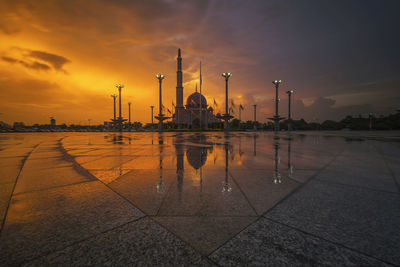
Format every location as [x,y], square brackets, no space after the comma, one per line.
[201,108]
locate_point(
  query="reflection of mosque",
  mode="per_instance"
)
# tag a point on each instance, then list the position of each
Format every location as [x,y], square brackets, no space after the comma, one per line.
[196,156]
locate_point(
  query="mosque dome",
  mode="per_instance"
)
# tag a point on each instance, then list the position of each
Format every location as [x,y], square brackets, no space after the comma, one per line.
[194,100]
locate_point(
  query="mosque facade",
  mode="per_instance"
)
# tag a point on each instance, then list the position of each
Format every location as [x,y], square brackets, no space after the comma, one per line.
[195,113]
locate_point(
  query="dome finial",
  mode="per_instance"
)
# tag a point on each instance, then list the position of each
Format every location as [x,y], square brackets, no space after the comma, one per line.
[196,87]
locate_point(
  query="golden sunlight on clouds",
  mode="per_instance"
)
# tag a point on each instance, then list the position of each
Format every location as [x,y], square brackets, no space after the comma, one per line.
[62,60]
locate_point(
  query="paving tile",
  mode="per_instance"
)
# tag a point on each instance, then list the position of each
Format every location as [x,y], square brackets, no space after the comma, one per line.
[9,174]
[265,243]
[261,189]
[107,176]
[203,233]
[139,243]
[146,189]
[362,219]
[372,180]
[209,193]
[5,194]
[109,162]
[47,163]
[41,222]
[40,179]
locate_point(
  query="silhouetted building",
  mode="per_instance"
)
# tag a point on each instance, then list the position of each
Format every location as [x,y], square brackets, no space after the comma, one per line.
[188,116]
[19,125]
[52,123]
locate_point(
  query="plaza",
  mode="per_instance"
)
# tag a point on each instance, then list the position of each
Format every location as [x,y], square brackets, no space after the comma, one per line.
[223,199]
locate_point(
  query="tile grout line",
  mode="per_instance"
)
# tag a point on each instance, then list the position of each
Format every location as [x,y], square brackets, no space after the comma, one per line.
[280,201]
[329,241]
[145,215]
[13,189]
[51,188]
[82,240]
[245,196]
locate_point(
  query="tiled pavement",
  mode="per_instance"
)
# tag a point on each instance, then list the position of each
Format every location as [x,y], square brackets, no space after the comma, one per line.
[199,199]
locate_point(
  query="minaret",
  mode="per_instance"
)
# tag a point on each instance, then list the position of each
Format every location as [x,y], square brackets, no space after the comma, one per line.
[179,90]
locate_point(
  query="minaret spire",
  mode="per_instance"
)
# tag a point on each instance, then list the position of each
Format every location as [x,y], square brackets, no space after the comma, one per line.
[179,109]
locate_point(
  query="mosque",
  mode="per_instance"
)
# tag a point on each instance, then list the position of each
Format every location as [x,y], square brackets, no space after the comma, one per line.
[196,113]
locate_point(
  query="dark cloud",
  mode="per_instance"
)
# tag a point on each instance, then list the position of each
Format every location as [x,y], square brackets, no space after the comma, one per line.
[30,57]
[30,65]
[55,60]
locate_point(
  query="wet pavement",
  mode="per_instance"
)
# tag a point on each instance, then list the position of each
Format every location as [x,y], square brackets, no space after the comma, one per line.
[244,198]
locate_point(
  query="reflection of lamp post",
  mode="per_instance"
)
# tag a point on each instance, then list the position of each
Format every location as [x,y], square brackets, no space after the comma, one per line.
[226,117]
[290,92]
[290,165]
[226,186]
[255,145]
[277,175]
[160,185]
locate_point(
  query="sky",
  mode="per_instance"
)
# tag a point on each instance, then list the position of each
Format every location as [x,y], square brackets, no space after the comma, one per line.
[62,59]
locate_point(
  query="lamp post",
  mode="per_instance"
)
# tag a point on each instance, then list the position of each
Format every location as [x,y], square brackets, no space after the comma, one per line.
[370,120]
[160,116]
[255,116]
[226,117]
[290,92]
[120,120]
[276,117]
[152,123]
[129,121]
[114,96]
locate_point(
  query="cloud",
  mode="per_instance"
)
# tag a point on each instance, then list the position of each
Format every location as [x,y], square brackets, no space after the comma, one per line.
[55,60]
[29,59]
[30,65]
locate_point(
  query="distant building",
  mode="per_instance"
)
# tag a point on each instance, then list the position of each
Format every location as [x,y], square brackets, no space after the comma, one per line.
[4,125]
[189,116]
[52,123]
[19,125]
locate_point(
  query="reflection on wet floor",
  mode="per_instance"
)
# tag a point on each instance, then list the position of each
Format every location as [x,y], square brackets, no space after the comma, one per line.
[112,155]
[203,187]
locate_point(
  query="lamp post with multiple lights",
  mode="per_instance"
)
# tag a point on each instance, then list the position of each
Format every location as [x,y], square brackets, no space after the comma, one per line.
[276,117]
[120,120]
[226,117]
[290,92]
[129,120]
[160,116]
[114,96]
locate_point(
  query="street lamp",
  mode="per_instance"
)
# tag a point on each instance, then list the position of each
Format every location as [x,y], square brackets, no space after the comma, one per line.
[119,86]
[152,123]
[290,92]
[160,116]
[276,117]
[255,116]
[129,121]
[226,117]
